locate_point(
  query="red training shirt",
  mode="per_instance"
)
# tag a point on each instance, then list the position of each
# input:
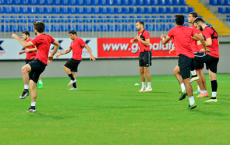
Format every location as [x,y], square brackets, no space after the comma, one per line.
[182,40]
[77,46]
[214,48]
[143,47]
[195,46]
[32,54]
[43,42]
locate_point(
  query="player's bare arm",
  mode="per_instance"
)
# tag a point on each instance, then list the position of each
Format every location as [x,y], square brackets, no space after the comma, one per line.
[134,40]
[201,39]
[56,47]
[28,50]
[90,53]
[165,39]
[173,49]
[145,42]
[195,38]
[64,52]
[23,43]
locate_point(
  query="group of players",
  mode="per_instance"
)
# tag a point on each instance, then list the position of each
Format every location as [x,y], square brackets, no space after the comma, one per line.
[195,45]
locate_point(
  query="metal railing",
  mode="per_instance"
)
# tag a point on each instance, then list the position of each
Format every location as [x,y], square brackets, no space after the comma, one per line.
[99,27]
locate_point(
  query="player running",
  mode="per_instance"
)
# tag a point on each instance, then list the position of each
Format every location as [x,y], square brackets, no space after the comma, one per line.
[31,53]
[71,65]
[145,56]
[37,66]
[211,60]
[182,40]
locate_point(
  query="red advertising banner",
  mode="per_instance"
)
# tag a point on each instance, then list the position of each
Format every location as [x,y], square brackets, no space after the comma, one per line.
[122,48]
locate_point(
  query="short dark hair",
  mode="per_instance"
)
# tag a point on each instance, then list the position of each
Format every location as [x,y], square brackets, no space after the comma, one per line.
[194,14]
[141,22]
[39,26]
[198,19]
[179,19]
[72,32]
[26,32]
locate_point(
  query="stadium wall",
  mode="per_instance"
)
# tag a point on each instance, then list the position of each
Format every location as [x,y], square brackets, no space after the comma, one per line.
[110,67]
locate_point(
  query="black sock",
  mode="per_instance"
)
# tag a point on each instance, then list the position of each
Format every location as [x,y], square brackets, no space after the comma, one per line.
[214,86]
[71,77]
[32,107]
[26,90]
[74,85]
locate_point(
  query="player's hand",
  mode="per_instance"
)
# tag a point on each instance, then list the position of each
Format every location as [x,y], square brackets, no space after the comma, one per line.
[21,52]
[14,36]
[27,50]
[132,40]
[92,58]
[50,59]
[138,38]
[198,43]
[163,36]
[208,51]
[57,55]
[171,50]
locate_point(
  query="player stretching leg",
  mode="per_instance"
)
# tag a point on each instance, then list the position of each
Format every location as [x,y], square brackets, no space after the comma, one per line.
[71,65]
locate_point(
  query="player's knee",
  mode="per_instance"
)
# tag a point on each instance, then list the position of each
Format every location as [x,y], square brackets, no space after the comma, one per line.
[23,70]
[141,70]
[32,87]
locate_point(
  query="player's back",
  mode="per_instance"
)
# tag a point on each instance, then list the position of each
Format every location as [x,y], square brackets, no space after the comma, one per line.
[31,54]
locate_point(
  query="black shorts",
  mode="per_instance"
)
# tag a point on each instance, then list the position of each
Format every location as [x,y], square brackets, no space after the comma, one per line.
[29,60]
[145,59]
[72,64]
[37,67]
[210,61]
[184,64]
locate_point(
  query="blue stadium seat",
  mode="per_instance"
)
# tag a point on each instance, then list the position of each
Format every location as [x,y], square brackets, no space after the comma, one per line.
[39,10]
[54,19]
[147,2]
[7,2]
[30,2]
[161,2]
[21,28]
[117,19]
[101,2]
[125,19]
[221,2]
[227,2]
[103,28]
[5,19]
[176,2]
[31,10]
[147,10]
[22,10]
[164,27]
[6,28]
[110,27]
[1,2]
[14,19]
[148,19]
[139,2]
[63,10]
[71,19]
[125,10]
[94,10]
[71,2]
[102,10]
[63,19]
[79,2]
[126,27]
[94,19]
[95,28]
[213,2]
[15,2]
[48,2]
[182,2]
[133,27]
[78,10]
[63,2]
[55,28]
[30,19]
[109,19]
[155,10]
[170,26]
[46,19]
[169,10]
[71,10]
[47,28]
[71,27]
[140,18]
[117,10]
[169,2]
[14,10]
[176,10]
[125,2]
[227,10]
[86,2]
[132,10]
[190,9]
[140,10]
[78,19]
[86,10]
[88,28]
[117,2]
[228,18]
[170,19]
[13,28]
[118,27]
[39,2]
[158,27]
[94,2]
[155,19]
[131,19]
[148,27]
[6,10]
[109,10]
[55,2]
[131,2]
[63,28]
[154,2]
[109,2]
[46,10]
[162,19]
[38,18]
[0,10]
[102,19]
[86,19]
[30,28]
[79,28]
[162,10]
[184,10]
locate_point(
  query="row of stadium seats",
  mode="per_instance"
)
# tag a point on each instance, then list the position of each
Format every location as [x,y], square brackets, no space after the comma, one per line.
[219,2]
[93,2]
[228,18]
[88,28]
[95,10]
[224,10]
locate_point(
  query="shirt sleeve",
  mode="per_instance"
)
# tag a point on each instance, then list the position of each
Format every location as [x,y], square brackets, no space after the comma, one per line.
[82,43]
[146,35]
[71,45]
[35,41]
[207,33]
[170,33]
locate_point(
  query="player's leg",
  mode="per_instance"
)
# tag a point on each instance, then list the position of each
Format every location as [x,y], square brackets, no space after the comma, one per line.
[147,63]
[148,77]
[67,67]
[194,76]
[25,76]
[176,72]
[33,96]
[40,82]
[214,86]
[202,83]
[74,84]
[142,76]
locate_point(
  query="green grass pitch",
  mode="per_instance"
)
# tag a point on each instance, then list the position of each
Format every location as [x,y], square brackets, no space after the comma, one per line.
[110,110]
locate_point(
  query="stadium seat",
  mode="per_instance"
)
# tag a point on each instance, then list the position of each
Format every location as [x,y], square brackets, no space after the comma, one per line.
[47,10]
[86,19]
[71,19]
[169,10]
[71,10]
[227,10]
[21,28]
[55,2]
[63,10]
[5,28]
[48,2]
[109,19]
[63,19]
[78,19]
[169,2]
[38,18]
[103,27]
[5,19]
[47,28]
[88,28]
[154,2]
[14,10]
[54,19]
[22,10]
[102,10]
[170,26]
[147,2]
[190,9]
[78,10]
[94,10]
[63,2]
[155,19]
[148,27]
[126,27]
[79,2]
[132,19]
[109,10]
[94,2]
[79,28]
[125,19]
[140,10]
[148,19]
[71,27]
[1,2]
[117,19]
[125,2]
[140,18]
[30,2]
[31,10]
[30,19]
[86,10]
[117,2]
[182,2]
[118,27]
[7,2]
[117,10]
[110,27]
[39,2]
[155,10]
[14,19]
[132,10]
[86,2]
[102,19]
[55,28]
[13,28]
[101,2]
[94,19]
[147,10]
[228,18]
[95,28]
[221,2]
[6,10]
[30,28]
[63,28]
[170,19]
[157,27]
[161,2]
[133,27]
[15,2]
[55,10]
[139,2]
[109,2]
[162,18]
[227,2]
[162,10]
[213,2]
[184,10]
[176,10]
[164,27]
[46,19]
[38,10]
[125,10]
[176,2]
[131,2]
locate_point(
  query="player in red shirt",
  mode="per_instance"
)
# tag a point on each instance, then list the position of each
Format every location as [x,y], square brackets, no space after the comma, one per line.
[211,60]
[71,65]
[182,36]
[37,66]
[198,66]
[145,56]
[31,53]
